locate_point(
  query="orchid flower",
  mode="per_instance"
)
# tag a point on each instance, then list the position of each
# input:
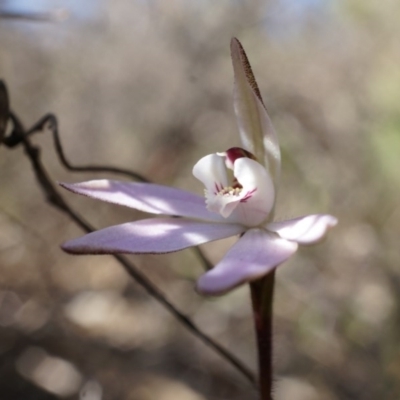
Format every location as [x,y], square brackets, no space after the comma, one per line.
[240,193]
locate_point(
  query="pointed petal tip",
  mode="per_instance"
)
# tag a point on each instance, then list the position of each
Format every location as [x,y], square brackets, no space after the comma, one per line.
[77,249]
[70,247]
[235,44]
[67,248]
[100,184]
[242,69]
[63,247]
[64,185]
[329,220]
[333,221]
[306,230]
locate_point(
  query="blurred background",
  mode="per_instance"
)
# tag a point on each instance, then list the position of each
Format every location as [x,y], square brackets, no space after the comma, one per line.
[147,85]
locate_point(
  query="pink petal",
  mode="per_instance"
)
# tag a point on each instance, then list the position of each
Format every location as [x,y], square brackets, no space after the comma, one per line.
[153,235]
[256,254]
[147,197]
[304,230]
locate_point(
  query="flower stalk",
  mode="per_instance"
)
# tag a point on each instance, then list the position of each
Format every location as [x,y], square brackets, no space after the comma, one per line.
[262,292]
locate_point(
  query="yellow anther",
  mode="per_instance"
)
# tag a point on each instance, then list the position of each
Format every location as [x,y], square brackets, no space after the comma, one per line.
[230,191]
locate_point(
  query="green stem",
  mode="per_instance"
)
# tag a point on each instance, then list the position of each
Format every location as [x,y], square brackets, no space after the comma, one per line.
[262,298]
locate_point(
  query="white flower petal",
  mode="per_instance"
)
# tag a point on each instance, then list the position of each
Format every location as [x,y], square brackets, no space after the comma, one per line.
[256,254]
[147,197]
[154,235]
[249,205]
[211,171]
[257,196]
[223,204]
[304,230]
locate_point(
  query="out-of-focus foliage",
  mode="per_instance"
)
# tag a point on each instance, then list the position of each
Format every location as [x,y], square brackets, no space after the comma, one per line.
[147,85]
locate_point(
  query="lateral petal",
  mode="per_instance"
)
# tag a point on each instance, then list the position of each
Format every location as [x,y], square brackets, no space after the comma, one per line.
[254,255]
[153,235]
[304,230]
[147,197]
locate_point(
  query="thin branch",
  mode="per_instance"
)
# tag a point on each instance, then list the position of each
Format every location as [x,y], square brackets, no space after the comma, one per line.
[206,262]
[31,16]
[50,121]
[55,199]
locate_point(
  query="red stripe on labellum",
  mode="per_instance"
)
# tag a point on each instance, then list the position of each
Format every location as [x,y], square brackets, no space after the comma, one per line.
[249,194]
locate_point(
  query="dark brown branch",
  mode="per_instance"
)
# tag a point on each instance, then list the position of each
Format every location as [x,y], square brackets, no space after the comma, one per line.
[50,121]
[19,135]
